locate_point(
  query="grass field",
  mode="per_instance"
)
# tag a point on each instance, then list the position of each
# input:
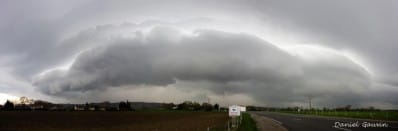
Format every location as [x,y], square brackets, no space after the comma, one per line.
[248,124]
[376,115]
[97,120]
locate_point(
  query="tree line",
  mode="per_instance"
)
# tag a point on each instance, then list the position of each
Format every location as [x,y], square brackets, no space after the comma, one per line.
[107,106]
[192,106]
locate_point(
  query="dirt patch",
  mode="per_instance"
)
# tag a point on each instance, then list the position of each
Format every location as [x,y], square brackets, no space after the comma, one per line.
[82,120]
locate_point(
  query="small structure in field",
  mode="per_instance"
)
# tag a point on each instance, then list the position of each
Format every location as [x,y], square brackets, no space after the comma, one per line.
[78,108]
[242,108]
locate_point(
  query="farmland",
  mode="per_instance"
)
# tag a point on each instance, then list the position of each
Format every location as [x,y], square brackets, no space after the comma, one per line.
[106,120]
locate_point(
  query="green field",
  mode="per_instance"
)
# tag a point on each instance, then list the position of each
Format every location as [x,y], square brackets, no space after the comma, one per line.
[375,115]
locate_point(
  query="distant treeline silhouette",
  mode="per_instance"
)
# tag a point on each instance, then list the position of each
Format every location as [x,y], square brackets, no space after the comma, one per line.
[40,105]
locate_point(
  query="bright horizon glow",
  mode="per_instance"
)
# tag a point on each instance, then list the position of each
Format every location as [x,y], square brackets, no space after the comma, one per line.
[4,97]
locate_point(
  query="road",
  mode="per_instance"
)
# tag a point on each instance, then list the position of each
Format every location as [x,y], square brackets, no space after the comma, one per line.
[296,122]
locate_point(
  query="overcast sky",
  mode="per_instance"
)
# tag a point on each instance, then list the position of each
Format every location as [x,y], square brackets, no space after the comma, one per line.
[264,52]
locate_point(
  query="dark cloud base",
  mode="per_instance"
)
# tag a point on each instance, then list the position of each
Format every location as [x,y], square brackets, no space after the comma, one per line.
[238,63]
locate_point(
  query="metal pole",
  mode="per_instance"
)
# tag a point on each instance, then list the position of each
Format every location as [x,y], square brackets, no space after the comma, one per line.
[309,101]
[228,125]
[237,123]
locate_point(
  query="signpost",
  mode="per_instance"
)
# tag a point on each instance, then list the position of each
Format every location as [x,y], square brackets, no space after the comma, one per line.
[235,113]
[234,110]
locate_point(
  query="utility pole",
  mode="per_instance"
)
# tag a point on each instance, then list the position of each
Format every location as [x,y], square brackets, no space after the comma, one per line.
[309,101]
[225,93]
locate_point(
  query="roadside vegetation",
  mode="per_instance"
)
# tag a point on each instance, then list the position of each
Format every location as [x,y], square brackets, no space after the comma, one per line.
[346,111]
[376,115]
[248,124]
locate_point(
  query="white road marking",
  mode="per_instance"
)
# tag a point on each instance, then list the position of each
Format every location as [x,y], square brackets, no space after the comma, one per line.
[278,122]
[297,118]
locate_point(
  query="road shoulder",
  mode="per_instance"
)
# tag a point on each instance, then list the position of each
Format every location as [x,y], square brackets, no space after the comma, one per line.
[267,124]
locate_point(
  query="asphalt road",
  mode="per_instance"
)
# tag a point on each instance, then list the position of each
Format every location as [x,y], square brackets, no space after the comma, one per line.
[295,122]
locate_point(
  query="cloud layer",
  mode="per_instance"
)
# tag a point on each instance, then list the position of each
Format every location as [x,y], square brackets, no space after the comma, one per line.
[235,63]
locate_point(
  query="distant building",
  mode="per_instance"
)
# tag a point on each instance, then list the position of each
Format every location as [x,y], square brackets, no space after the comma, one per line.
[242,108]
[78,108]
[21,107]
[37,107]
[101,109]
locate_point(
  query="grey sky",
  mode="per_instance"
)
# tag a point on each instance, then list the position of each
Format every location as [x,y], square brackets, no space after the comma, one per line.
[267,52]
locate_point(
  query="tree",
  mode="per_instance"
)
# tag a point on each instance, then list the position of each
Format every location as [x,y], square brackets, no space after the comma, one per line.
[128,106]
[216,106]
[168,106]
[195,106]
[9,105]
[207,107]
[86,106]
[25,100]
[124,106]
[371,108]
[42,105]
[347,107]
[183,106]
[189,105]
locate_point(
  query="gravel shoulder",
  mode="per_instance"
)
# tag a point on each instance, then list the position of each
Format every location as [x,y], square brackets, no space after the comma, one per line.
[267,124]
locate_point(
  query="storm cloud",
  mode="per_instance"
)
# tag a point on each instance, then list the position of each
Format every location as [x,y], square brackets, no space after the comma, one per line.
[237,63]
